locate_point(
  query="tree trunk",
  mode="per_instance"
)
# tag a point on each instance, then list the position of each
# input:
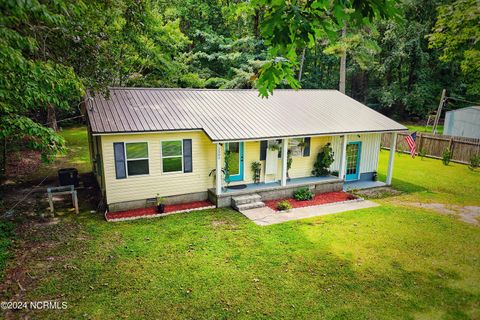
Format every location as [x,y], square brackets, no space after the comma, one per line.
[3,161]
[52,118]
[343,65]
[302,60]
[256,24]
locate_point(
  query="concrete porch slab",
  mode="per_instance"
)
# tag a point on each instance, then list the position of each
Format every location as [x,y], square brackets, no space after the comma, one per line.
[357,185]
[266,216]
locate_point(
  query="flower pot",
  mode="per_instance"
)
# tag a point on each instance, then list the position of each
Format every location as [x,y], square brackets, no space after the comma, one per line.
[161,208]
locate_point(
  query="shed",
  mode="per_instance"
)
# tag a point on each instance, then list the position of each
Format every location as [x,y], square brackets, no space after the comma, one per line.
[463,122]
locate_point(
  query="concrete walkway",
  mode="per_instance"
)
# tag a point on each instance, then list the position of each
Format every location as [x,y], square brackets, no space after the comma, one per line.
[266,216]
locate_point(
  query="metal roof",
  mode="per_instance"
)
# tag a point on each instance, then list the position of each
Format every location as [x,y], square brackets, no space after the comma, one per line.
[477,108]
[227,115]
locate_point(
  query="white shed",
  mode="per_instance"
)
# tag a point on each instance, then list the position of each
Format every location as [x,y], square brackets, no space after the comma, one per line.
[463,122]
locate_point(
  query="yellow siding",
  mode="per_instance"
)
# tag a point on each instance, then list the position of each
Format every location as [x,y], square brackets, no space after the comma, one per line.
[301,166]
[165,184]
[203,151]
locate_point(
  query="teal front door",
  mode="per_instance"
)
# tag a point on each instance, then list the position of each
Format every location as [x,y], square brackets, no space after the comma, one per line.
[354,149]
[235,161]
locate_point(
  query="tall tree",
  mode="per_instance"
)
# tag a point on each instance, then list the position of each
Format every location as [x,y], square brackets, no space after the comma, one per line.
[289,26]
[457,34]
[30,81]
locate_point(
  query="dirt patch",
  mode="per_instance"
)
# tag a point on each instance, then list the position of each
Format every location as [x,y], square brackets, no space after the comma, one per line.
[22,163]
[468,214]
[35,242]
[378,193]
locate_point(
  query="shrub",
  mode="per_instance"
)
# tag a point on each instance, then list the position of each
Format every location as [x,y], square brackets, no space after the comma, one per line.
[446,156]
[474,162]
[303,194]
[323,162]
[284,205]
[422,153]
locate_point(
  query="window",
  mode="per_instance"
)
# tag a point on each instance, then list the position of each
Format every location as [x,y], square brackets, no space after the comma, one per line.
[137,158]
[296,145]
[172,156]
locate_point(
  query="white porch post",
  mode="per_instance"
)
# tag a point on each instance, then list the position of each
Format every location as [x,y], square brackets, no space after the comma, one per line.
[393,147]
[218,170]
[284,161]
[343,158]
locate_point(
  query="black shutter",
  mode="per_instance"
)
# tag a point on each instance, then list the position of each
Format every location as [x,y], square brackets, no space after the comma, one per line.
[306,148]
[263,149]
[280,142]
[119,155]
[187,155]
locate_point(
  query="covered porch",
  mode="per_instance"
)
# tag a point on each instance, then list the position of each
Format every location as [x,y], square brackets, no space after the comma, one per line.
[274,190]
[283,186]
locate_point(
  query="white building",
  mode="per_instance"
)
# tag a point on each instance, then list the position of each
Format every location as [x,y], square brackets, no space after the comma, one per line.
[463,122]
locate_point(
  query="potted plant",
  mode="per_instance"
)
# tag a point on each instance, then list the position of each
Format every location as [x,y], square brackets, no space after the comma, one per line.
[160,204]
[274,146]
[256,170]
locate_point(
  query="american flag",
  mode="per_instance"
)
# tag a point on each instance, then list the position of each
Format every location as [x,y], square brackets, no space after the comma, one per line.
[411,143]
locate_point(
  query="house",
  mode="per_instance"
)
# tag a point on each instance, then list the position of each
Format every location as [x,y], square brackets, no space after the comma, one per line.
[173,142]
[463,122]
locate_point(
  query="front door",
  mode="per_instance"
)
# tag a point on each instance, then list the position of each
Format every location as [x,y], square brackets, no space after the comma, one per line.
[235,161]
[353,160]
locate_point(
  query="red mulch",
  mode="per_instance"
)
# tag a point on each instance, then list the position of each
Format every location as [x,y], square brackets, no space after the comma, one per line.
[321,198]
[153,210]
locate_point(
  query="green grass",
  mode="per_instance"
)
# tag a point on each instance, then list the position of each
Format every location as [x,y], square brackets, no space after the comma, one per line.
[428,180]
[419,128]
[77,155]
[386,262]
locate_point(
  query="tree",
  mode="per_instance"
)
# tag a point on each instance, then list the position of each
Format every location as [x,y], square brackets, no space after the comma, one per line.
[30,82]
[289,26]
[457,34]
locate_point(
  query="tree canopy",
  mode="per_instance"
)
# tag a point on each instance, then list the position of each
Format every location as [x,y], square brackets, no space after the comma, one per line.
[400,55]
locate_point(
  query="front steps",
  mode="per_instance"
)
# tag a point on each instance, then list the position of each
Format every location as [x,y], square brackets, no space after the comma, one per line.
[249,201]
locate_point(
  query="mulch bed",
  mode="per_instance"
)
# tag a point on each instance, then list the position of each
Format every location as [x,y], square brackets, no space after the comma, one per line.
[321,198]
[152,211]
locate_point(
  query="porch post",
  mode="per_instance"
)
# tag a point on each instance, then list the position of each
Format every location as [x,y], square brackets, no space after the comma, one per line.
[284,162]
[343,158]
[393,147]
[218,170]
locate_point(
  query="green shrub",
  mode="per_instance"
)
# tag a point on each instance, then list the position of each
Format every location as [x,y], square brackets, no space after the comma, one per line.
[474,162]
[446,156]
[284,205]
[6,235]
[303,194]
[422,153]
[323,162]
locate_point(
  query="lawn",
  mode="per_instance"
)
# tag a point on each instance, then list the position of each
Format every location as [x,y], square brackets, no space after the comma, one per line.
[77,156]
[391,261]
[420,128]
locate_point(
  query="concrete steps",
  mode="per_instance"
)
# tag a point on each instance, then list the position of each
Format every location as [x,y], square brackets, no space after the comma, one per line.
[246,202]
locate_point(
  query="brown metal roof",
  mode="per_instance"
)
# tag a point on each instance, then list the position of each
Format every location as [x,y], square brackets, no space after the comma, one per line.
[234,114]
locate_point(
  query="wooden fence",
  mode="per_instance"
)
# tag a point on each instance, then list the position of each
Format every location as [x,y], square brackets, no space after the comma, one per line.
[434,145]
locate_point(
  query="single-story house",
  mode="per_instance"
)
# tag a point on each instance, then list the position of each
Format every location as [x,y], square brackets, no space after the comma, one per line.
[146,142]
[463,122]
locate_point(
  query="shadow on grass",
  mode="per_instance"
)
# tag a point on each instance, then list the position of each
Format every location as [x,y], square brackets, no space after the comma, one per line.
[218,264]
[214,264]
[403,185]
